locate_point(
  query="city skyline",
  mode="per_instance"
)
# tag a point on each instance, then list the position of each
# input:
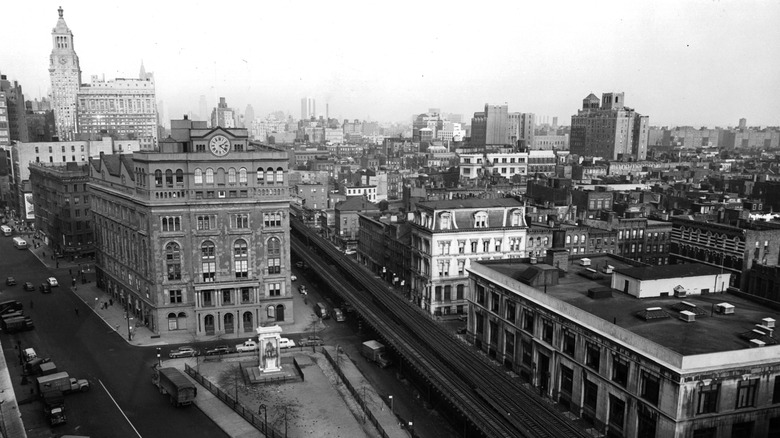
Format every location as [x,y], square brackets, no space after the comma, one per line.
[700,67]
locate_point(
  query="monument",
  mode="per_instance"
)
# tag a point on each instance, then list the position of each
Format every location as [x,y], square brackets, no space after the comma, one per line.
[268,343]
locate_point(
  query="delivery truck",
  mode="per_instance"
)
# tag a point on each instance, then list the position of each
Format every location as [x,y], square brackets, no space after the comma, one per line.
[375,352]
[15,324]
[61,381]
[174,383]
[54,407]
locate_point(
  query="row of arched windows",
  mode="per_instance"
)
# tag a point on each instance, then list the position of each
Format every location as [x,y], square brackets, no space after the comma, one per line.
[209,175]
[208,257]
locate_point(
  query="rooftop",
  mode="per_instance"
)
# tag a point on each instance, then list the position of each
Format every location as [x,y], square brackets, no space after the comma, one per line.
[710,333]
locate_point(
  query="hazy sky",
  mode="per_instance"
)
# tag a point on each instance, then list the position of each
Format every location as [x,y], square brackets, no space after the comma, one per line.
[680,62]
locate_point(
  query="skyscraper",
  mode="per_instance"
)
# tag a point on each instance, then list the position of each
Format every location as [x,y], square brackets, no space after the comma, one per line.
[65,77]
[308,108]
[496,126]
[223,116]
[249,116]
[611,131]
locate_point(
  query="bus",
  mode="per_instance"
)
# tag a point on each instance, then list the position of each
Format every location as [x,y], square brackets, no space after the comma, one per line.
[20,243]
[6,230]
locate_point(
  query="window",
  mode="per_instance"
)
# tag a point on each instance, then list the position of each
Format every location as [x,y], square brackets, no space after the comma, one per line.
[547,331]
[246,295]
[650,386]
[198,176]
[742,430]
[708,399]
[617,412]
[459,292]
[231,176]
[272,219]
[179,176]
[486,246]
[461,246]
[528,321]
[527,353]
[240,221]
[173,261]
[175,296]
[480,220]
[567,380]
[746,393]
[569,342]
[208,261]
[209,176]
[708,432]
[511,311]
[273,256]
[619,370]
[480,295]
[205,222]
[592,356]
[226,296]
[495,302]
[474,246]
[274,290]
[206,295]
[776,393]
[158,179]
[591,394]
[240,259]
[171,223]
[169,178]
[280,175]
[260,175]
[242,175]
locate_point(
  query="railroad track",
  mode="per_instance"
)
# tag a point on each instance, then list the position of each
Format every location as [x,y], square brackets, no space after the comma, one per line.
[497,404]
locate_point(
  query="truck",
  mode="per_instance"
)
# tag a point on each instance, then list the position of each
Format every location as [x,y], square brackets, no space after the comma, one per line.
[175,384]
[375,352]
[61,381]
[54,407]
[17,324]
[248,345]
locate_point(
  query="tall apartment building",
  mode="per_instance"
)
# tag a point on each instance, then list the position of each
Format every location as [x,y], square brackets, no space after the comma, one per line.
[609,129]
[195,237]
[65,75]
[448,235]
[223,116]
[122,108]
[62,207]
[705,365]
[496,126]
[308,108]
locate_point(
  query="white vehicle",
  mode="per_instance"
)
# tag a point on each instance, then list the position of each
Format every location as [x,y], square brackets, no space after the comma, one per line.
[286,343]
[6,230]
[248,345]
[293,277]
[20,243]
[52,282]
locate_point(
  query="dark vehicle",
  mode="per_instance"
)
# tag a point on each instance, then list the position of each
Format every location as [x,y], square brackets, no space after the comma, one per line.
[54,407]
[175,384]
[183,352]
[10,281]
[311,341]
[17,324]
[10,306]
[302,289]
[298,264]
[45,288]
[29,287]
[220,349]
[347,307]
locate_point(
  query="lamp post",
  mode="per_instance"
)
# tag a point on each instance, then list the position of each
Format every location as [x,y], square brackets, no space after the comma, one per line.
[159,360]
[411,427]
[127,318]
[264,408]
[391,404]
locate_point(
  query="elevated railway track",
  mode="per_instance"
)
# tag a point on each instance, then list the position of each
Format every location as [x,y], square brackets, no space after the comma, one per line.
[492,402]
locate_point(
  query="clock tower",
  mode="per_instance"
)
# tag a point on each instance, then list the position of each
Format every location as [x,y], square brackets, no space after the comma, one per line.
[65,79]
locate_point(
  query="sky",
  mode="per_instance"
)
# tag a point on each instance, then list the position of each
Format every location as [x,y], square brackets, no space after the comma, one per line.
[697,63]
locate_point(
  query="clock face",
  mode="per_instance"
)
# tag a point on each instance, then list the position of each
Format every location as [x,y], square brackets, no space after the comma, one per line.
[63,60]
[219,145]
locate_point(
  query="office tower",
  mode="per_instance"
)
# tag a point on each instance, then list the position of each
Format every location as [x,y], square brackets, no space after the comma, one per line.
[203,108]
[65,77]
[122,108]
[496,126]
[223,116]
[249,116]
[16,109]
[609,129]
[308,108]
[742,123]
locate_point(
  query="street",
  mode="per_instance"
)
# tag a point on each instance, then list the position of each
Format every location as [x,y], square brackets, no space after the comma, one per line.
[122,401]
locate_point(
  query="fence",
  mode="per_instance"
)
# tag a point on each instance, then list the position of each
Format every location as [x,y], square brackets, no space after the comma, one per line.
[355,393]
[250,416]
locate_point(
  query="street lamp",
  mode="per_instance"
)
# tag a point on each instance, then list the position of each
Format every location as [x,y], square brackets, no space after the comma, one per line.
[159,361]
[411,427]
[264,408]
[391,404]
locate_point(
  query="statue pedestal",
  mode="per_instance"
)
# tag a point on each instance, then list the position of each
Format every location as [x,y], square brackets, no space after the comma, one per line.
[268,343]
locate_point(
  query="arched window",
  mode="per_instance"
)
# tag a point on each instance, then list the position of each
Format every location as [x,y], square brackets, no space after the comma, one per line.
[271,312]
[173,322]
[179,176]
[228,323]
[182,321]
[241,259]
[198,176]
[517,218]
[173,261]
[280,175]
[208,322]
[169,178]
[231,176]
[209,176]
[480,219]
[260,175]
[242,175]
[269,176]
[208,261]
[246,319]
[158,178]
[274,255]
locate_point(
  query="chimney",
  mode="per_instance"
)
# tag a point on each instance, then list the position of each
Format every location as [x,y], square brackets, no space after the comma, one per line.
[558,258]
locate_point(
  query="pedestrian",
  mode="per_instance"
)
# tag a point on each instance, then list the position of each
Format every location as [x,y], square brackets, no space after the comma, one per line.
[44,254]
[31,304]
[110,302]
[70,271]
[77,311]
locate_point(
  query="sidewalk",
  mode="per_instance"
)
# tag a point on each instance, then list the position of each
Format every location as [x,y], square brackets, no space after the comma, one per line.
[114,316]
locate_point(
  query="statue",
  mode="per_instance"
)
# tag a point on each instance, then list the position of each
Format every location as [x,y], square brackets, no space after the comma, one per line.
[270,355]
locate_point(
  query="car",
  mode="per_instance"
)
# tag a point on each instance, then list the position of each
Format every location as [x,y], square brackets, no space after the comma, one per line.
[350,251]
[45,288]
[219,349]
[286,343]
[347,307]
[298,264]
[52,282]
[311,340]
[302,289]
[186,351]
[10,281]
[28,286]
[293,277]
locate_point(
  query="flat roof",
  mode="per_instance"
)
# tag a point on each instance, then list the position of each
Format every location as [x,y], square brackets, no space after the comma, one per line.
[669,271]
[710,333]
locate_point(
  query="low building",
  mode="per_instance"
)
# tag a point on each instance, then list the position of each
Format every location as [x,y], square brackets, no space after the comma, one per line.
[670,280]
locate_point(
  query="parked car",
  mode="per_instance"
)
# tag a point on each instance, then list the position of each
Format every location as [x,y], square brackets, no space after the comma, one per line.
[28,286]
[45,288]
[10,281]
[52,282]
[219,349]
[298,264]
[302,289]
[286,343]
[186,351]
[293,277]
[311,340]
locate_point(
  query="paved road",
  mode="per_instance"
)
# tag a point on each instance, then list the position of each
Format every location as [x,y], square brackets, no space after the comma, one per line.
[122,402]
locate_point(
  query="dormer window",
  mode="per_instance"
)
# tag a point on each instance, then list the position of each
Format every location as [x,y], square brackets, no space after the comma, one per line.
[481,220]
[445,221]
[517,218]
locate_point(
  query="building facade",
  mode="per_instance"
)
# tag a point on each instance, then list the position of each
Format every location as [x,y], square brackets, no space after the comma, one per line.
[195,236]
[65,75]
[223,115]
[447,235]
[611,131]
